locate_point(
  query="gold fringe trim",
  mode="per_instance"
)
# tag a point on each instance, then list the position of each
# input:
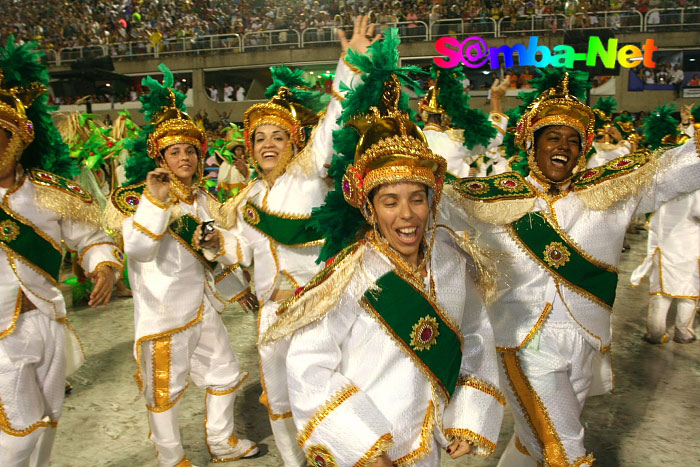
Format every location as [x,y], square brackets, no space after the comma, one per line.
[215,210]
[482,386]
[322,412]
[499,212]
[229,210]
[231,390]
[483,261]
[426,438]
[475,439]
[303,162]
[112,218]
[67,206]
[382,446]
[315,303]
[588,460]
[601,196]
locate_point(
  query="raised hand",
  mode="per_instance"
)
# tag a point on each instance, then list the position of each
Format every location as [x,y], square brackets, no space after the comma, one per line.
[362,36]
[158,183]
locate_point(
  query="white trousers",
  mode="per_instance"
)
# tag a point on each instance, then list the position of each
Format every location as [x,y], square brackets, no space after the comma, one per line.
[202,351]
[658,310]
[273,377]
[546,384]
[32,387]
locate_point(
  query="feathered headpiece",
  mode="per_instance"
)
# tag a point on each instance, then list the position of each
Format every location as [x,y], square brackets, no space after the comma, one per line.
[660,128]
[24,111]
[548,78]
[292,106]
[451,97]
[168,123]
[391,149]
[339,221]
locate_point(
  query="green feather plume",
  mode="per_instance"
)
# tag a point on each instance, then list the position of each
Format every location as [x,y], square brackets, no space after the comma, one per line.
[340,223]
[282,75]
[139,163]
[21,66]
[475,123]
[659,123]
[696,113]
[607,105]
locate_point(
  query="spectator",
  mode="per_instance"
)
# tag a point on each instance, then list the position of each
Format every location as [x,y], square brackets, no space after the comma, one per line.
[677,77]
[228,93]
[525,77]
[240,93]
[695,81]
[213,93]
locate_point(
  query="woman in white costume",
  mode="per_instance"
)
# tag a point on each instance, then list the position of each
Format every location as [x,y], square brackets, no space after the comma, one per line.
[270,217]
[40,213]
[392,354]
[561,229]
[178,294]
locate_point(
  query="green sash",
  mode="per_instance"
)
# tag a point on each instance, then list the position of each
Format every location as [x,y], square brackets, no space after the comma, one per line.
[183,230]
[286,231]
[563,259]
[418,325]
[24,240]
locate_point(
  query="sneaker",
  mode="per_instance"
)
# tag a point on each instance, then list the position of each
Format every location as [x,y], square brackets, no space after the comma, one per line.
[656,339]
[232,450]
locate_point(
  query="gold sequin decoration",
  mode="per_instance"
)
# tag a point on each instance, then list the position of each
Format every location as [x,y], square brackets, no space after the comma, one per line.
[9,230]
[429,324]
[333,403]
[556,254]
[473,438]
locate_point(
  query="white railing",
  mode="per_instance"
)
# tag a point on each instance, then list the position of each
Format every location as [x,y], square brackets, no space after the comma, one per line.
[276,38]
[656,19]
[660,19]
[487,27]
[531,23]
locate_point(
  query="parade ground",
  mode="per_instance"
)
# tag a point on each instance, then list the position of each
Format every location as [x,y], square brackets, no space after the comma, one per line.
[652,417]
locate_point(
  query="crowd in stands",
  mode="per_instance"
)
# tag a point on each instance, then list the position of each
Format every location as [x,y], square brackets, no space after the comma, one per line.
[58,24]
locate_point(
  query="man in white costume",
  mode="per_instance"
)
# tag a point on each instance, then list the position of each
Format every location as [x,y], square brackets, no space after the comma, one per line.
[178,294]
[270,217]
[672,262]
[392,355]
[561,229]
[39,213]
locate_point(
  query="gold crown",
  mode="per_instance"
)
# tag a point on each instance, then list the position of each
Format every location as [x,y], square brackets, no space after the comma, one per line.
[173,126]
[280,111]
[14,103]
[392,149]
[430,103]
[556,107]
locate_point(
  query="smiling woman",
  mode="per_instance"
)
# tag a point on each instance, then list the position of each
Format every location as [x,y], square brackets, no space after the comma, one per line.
[392,335]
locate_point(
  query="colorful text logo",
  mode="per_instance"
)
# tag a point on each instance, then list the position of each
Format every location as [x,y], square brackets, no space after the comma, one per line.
[474,53]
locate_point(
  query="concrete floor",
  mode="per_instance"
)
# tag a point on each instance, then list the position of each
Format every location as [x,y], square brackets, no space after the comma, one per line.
[652,418]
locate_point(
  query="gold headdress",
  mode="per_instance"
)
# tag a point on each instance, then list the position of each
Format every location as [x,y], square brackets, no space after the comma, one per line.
[14,103]
[392,149]
[173,126]
[430,103]
[556,106]
[280,111]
